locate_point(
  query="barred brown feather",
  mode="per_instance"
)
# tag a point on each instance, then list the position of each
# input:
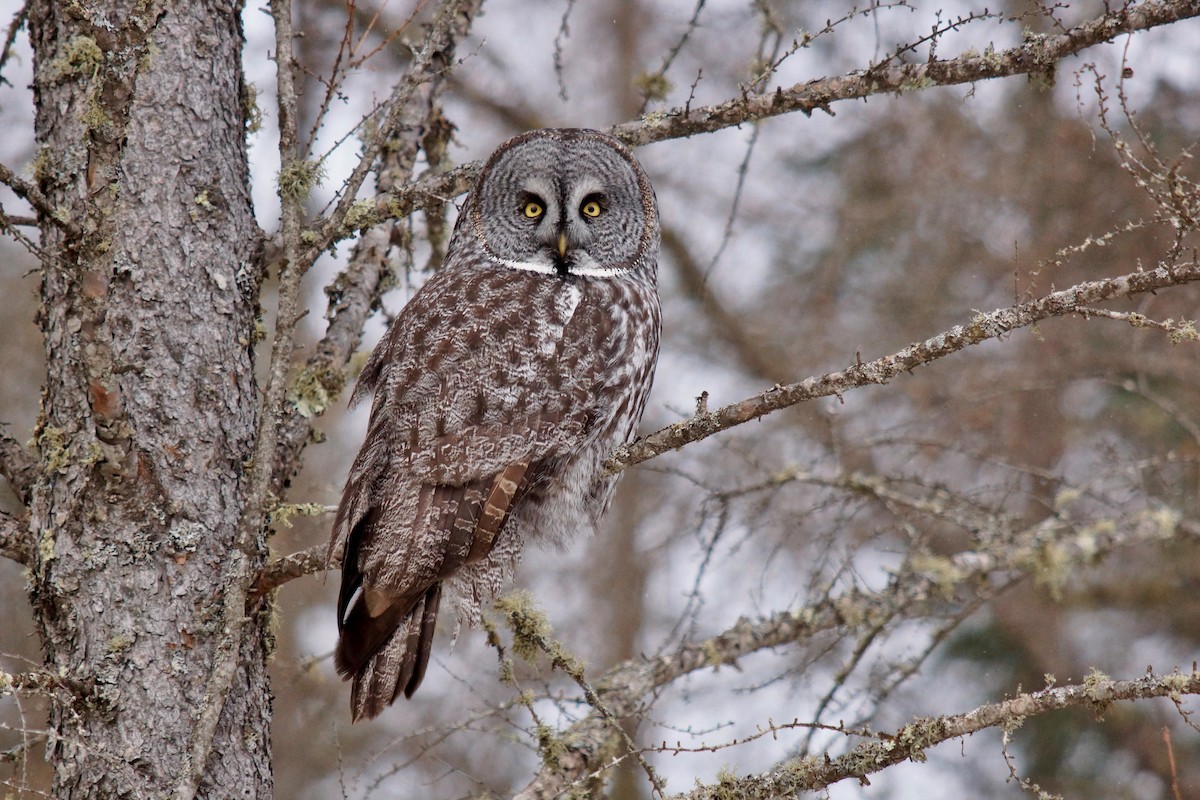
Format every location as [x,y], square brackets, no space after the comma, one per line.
[498,392]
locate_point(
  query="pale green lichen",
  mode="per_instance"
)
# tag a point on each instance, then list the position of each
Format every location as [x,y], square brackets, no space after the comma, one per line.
[1182,331]
[283,514]
[361,215]
[1098,689]
[251,113]
[532,633]
[119,643]
[46,544]
[80,56]
[52,442]
[654,86]
[941,571]
[315,388]
[298,178]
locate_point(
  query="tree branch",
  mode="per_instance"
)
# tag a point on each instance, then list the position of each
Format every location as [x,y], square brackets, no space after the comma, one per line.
[17,465]
[296,565]
[14,538]
[919,587]
[882,370]
[911,741]
[1037,54]
[32,195]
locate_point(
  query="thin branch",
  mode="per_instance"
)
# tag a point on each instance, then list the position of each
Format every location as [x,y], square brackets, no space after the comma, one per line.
[882,370]
[1036,55]
[14,538]
[433,59]
[910,742]
[14,27]
[17,465]
[296,565]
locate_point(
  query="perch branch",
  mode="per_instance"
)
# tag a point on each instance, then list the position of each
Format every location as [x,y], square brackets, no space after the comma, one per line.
[877,372]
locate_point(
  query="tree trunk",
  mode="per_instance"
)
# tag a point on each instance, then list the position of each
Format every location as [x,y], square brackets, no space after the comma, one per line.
[150,277]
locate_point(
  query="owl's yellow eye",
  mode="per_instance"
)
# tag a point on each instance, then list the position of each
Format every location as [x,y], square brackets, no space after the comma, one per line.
[591,208]
[533,210]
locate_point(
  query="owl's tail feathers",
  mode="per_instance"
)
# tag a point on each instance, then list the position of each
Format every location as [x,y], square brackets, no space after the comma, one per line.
[382,671]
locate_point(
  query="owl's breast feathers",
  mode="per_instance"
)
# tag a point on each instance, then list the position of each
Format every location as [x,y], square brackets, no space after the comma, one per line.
[495,394]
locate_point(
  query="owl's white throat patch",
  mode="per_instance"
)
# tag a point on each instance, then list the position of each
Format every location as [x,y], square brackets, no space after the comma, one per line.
[589,270]
[527,266]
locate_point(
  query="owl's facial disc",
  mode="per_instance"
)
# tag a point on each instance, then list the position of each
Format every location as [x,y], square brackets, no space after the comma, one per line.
[567,204]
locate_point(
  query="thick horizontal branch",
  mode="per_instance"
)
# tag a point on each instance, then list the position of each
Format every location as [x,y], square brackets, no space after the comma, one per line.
[927,584]
[911,741]
[14,538]
[17,465]
[882,370]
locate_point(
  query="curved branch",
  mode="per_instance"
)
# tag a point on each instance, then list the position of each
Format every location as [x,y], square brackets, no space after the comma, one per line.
[882,370]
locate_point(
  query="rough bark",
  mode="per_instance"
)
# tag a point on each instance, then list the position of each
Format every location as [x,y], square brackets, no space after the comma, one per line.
[149,299]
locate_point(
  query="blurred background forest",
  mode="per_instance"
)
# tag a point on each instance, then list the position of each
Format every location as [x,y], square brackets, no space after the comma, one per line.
[791,248]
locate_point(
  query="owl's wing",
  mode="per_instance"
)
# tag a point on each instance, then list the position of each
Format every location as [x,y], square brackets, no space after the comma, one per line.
[455,436]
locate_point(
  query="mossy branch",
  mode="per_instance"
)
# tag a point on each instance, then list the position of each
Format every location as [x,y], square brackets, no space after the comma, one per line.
[913,592]
[910,742]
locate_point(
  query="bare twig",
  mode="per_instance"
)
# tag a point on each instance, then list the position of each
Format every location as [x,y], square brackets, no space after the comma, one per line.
[32,195]
[14,27]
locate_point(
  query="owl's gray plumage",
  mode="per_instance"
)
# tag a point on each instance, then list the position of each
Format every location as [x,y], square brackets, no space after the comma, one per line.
[499,390]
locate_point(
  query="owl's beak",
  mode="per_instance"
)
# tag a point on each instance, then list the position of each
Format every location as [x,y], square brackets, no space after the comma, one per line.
[562,244]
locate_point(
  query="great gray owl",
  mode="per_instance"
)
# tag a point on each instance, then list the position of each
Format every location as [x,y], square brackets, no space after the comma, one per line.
[499,391]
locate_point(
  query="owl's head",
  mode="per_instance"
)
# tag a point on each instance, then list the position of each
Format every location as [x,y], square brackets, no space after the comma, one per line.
[566,202]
